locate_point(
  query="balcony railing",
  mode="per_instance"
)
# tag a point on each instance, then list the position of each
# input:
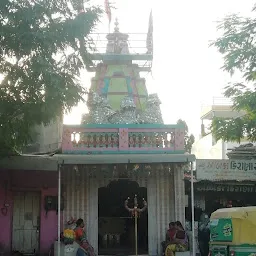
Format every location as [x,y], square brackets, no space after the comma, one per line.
[123,139]
[138,52]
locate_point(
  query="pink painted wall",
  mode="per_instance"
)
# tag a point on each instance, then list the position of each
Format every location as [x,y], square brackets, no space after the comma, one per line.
[44,182]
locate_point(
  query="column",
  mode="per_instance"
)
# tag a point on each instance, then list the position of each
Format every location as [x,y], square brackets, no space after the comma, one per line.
[92,214]
[179,194]
[152,217]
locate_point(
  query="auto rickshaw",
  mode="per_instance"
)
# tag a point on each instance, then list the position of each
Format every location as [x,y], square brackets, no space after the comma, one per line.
[233,232]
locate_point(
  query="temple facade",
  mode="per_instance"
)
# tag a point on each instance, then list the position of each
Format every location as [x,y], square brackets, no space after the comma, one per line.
[141,156]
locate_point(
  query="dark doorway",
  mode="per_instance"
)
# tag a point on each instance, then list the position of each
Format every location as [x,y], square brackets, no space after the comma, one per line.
[116,225]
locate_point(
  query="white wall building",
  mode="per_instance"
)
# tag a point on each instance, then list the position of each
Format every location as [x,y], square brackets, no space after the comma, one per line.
[46,139]
[207,147]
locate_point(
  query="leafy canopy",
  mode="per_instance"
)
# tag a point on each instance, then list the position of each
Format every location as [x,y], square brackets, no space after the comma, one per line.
[43,46]
[189,138]
[238,48]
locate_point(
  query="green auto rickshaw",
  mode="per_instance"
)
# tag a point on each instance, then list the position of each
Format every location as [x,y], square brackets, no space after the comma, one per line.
[233,232]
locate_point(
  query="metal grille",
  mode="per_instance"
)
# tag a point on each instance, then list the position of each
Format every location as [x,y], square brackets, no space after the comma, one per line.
[136,42]
[217,101]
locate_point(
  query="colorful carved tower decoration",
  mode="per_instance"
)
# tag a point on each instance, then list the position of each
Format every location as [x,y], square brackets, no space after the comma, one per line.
[118,94]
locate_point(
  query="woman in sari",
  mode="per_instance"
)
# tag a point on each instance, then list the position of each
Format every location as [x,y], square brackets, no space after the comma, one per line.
[169,236]
[180,241]
[82,240]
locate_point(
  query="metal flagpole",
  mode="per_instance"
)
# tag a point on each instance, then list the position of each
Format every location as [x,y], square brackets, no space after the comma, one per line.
[59,204]
[193,211]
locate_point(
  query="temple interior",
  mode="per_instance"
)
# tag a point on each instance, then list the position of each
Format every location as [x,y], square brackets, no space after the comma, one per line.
[116,224]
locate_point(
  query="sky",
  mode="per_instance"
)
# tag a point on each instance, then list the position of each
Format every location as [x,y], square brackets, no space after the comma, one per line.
[186,72]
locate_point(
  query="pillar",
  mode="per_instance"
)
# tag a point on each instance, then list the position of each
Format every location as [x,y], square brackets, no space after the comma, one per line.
[179,189]
[152,218]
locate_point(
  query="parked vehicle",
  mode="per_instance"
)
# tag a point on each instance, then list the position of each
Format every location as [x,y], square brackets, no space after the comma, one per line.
[233,232]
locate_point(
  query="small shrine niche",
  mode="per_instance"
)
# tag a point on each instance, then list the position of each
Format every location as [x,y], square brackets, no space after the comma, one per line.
[117,42]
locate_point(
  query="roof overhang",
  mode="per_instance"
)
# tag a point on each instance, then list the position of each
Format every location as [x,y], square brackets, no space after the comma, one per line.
[50,163]
[209,112]
[29,163]
[126,158]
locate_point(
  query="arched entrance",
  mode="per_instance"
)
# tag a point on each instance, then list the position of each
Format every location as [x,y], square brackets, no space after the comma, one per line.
[116,226]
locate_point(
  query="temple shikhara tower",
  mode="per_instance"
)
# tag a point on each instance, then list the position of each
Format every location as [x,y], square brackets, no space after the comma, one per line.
[118,93]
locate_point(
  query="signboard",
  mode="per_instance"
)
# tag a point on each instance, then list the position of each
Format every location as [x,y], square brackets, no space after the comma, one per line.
[225,188]
[220,170]
[221,230]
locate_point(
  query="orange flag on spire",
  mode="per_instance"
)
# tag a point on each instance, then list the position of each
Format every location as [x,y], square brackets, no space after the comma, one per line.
[108,10]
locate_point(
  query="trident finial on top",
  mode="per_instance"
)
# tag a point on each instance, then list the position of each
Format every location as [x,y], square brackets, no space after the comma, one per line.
[116,25]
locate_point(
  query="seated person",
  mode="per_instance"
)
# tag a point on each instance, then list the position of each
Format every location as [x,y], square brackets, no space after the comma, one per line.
[86,248]
[180,241]
[169,235]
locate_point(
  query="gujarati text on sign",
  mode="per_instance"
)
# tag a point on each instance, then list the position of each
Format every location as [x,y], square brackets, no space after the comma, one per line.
[216,170]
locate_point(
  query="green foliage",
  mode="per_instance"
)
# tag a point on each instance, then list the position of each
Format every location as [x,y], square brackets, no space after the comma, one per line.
[44,45]
[238,48]
[189,138]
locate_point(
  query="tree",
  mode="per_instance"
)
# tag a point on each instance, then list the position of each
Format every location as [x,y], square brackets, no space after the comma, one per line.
[189,138]
[238,47]
[44,45]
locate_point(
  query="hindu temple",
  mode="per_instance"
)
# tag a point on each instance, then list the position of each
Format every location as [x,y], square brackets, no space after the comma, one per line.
[121,150]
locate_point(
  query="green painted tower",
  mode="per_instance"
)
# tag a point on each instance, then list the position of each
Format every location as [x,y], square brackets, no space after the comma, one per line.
[118,93]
